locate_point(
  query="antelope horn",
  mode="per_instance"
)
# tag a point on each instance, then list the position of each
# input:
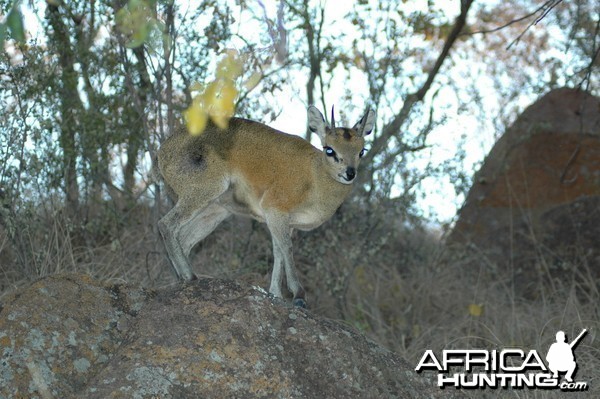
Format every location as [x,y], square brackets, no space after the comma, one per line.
[332,118]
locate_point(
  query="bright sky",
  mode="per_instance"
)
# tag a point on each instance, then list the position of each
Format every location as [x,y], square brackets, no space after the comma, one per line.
[439,200]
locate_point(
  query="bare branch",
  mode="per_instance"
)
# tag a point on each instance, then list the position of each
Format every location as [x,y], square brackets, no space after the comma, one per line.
[514,21]
[588,74]
[393,128]
[545,9]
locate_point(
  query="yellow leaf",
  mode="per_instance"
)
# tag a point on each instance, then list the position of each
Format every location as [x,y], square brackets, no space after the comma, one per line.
[475,310]
[196,86]
[210,93]
[219,99]
[196,117]
[230,66]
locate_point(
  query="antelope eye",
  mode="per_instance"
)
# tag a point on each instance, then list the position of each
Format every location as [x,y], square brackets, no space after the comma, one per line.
[362,152]
[329,151]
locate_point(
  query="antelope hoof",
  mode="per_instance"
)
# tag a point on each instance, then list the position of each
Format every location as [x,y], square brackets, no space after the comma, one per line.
[299,303]
[185,280]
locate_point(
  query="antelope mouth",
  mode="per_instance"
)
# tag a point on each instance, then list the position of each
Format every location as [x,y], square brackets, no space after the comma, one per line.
[344,180]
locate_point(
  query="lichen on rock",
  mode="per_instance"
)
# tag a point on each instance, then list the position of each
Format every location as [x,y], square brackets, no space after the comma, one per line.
[71,336]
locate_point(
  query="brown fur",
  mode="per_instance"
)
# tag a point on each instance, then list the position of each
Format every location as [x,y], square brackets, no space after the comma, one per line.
[253,170]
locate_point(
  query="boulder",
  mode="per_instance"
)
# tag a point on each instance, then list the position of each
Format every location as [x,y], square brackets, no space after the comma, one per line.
[70,336]
[533,202]
[55,334]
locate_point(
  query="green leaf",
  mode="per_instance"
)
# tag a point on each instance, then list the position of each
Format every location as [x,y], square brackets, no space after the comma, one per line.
[136,22]
[138,36]
[14,21]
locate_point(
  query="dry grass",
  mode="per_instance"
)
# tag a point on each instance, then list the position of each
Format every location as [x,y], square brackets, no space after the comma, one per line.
[394,283]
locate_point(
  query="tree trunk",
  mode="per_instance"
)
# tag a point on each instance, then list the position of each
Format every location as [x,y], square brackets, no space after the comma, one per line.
[70,105]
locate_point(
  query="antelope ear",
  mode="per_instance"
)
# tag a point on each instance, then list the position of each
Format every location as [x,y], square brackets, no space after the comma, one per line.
[366,124]
[316,122]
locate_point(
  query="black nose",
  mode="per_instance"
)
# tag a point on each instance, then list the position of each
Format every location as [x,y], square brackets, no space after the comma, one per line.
[350,173]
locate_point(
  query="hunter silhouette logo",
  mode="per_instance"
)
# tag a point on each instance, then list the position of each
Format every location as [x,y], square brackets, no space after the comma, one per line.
[560,356]
[506,368]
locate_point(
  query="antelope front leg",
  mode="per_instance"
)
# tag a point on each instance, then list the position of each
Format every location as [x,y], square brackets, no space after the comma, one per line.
[283,253]
[293,282]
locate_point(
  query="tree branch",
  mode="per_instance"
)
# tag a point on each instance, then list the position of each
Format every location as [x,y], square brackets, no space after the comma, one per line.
[393,127]
[514,21]
[587,78]
[545,8]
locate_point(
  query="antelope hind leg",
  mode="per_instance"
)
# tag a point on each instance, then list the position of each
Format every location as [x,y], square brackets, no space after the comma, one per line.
[170,227]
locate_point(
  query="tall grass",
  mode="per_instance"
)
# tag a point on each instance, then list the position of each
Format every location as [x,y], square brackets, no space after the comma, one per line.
[393,281]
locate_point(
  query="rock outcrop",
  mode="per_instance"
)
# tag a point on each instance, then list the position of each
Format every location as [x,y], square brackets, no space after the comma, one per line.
[535,203]
[70,336]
